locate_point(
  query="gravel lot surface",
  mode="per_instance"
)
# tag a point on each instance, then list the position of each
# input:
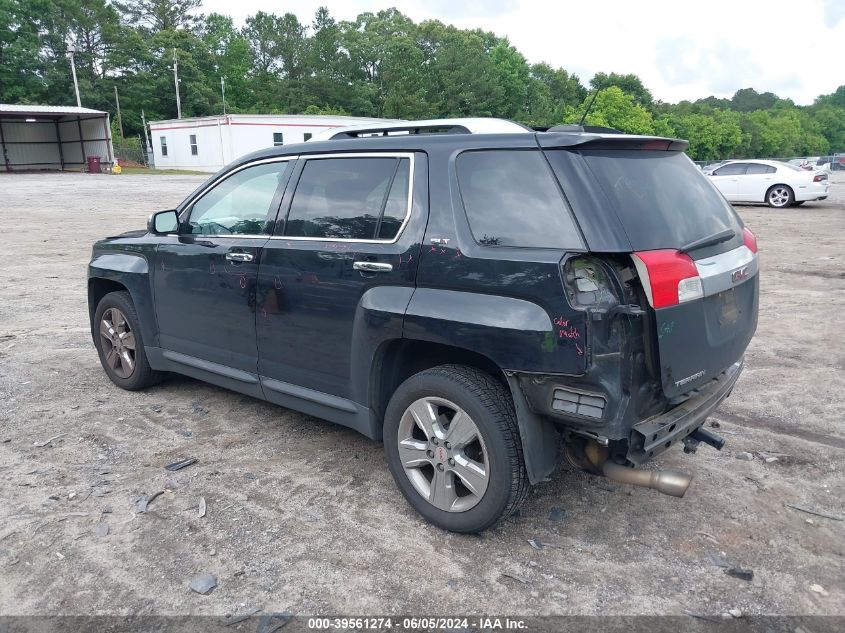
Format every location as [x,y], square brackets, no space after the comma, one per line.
[303,516]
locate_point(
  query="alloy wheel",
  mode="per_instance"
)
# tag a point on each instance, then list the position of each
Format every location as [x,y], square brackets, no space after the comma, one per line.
[779,196]
[443,454]
[118,342]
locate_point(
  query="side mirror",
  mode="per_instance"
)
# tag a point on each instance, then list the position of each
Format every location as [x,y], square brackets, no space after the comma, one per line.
[163,222]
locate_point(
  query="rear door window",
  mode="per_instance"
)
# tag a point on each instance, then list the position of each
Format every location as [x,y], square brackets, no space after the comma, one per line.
[511,199]
[757,168]
[661,198]
[357,198]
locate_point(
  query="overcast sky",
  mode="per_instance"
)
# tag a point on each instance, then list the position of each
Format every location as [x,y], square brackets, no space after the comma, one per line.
[680,49]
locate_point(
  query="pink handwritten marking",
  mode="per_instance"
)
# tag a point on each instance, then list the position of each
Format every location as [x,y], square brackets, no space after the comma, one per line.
[457,253]
[277,283]
[579,350]
[433,249]
[561,322]
[571,333]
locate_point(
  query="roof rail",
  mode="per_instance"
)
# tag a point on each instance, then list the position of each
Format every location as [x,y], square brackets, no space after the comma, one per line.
[430,126]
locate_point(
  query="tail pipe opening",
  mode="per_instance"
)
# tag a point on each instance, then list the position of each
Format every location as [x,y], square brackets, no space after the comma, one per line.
[592,457]
[669,482]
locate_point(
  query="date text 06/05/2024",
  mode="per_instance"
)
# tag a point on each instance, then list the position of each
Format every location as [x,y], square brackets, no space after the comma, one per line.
[415,623]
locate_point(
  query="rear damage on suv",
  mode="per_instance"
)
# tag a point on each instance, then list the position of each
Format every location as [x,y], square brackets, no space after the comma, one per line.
[669,291]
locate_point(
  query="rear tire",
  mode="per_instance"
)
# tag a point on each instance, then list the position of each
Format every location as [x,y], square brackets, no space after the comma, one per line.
[780,196]
[481,468]
[118,339]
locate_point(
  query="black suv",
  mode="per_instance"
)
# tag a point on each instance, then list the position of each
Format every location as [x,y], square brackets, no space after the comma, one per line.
[471,292]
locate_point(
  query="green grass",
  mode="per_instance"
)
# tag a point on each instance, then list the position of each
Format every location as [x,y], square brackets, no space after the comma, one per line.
[162,172]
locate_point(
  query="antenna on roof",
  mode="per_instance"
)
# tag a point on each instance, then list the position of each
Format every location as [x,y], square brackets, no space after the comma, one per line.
[590,107]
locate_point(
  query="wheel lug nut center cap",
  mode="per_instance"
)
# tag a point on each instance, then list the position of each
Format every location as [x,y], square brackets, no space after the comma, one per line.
[441,454]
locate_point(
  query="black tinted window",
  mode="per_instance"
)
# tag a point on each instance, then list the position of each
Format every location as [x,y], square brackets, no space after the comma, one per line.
[396,207]
[511,199]
[757,168]
[734,169]
[661,198]
[350,198]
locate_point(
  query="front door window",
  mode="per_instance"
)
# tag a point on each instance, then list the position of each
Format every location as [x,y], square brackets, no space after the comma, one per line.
[239,204]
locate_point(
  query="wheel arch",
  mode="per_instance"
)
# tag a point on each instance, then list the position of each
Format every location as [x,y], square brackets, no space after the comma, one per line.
[397,360]
[119,272]
[99,287]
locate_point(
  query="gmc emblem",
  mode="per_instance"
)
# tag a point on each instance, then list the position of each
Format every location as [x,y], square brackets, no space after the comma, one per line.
[739,275]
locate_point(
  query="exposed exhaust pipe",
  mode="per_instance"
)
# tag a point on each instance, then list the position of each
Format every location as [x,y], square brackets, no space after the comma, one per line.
[669,482]
[592,457]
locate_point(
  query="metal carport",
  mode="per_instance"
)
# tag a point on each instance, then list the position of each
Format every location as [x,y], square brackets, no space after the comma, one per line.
[36,137]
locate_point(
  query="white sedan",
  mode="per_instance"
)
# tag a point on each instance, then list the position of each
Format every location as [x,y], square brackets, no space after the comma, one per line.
[777,184]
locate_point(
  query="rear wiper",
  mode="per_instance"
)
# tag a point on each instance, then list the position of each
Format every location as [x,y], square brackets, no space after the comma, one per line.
[711,240]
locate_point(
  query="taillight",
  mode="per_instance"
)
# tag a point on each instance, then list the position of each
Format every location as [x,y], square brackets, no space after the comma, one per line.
[750,239]
[659,145]
[669,277]
[819,178]
[588,283]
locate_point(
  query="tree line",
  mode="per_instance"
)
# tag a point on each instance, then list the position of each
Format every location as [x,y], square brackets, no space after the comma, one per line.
[380,64]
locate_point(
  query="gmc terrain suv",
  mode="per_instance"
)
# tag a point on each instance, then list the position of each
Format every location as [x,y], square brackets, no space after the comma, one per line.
[469,291]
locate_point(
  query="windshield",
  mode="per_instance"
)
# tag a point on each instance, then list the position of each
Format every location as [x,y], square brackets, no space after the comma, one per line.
[661,198]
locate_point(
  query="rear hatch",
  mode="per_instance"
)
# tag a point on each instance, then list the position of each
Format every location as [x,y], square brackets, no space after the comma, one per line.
[696,261]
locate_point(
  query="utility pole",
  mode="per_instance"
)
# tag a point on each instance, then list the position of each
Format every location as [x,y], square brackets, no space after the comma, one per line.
[223,90]
[148,148]
[71,49]
[146,132]
[176,82]
[119,118]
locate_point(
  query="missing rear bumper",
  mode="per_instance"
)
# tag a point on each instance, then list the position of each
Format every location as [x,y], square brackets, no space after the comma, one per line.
[655,435]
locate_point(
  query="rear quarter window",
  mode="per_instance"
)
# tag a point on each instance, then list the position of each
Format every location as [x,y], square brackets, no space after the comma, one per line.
[511,199]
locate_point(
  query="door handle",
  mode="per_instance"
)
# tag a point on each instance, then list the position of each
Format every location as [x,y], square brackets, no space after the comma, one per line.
[372,267]
[240,257]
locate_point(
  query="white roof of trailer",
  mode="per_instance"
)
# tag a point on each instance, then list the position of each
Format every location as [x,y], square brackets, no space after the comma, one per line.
[341,120]
[7,108]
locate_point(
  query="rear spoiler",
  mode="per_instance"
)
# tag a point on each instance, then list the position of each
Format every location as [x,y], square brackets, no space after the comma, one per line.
[586,139]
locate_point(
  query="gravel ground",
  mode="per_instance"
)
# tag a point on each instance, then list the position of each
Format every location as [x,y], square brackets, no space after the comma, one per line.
[303,516]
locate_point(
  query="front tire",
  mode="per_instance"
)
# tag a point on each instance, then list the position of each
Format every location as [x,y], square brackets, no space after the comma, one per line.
[780,196]
[453,447]
[117,336]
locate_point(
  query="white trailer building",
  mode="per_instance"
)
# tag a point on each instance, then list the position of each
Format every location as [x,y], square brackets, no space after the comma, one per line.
[209,143]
